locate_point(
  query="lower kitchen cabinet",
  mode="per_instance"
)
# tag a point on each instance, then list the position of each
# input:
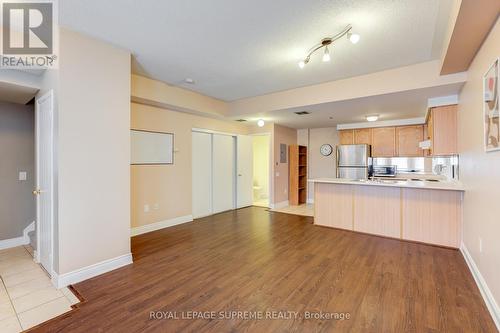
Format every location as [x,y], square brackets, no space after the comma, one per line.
[432,216]
[377,210]
[334,205]
[424,215]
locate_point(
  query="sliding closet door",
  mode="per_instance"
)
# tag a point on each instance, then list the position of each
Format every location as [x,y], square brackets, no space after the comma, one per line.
[202,174]
[223,171]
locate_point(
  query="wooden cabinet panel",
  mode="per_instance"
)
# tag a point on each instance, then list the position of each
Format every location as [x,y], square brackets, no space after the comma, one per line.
[384,142]
[443,130]
[297,179]
[377,210]
[346,137]
[408,138]
[363,136]
[432,216]
[333,205]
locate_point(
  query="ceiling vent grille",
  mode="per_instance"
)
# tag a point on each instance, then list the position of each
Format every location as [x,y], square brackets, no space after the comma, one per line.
[301,113]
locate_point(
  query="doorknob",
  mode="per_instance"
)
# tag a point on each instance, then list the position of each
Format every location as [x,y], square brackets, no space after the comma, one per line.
[37,192]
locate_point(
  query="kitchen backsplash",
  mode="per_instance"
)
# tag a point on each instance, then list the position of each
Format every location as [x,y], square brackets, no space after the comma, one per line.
[437,166]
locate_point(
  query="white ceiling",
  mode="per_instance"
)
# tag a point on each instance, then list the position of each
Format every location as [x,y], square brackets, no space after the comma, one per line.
[403,105]
[236,49]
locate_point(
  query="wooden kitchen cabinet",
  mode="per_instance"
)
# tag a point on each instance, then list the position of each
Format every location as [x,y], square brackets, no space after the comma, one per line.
[384,142]
[346,137]
[442,130]
[408,139]
[363,136]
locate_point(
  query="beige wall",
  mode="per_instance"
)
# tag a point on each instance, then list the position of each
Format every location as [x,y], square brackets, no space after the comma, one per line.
[261,159]
[480,171]
[93,152]
[288,136]
[17,153]
[321,166]
[168,186]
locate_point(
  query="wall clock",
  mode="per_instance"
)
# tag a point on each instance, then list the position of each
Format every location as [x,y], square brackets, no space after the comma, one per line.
[326,149]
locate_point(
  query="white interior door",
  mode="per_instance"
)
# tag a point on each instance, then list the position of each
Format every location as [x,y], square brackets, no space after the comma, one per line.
[44,112]
[244,165]
[202,174]
[223,173]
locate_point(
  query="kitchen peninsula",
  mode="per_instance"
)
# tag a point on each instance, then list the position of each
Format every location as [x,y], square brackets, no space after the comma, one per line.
[422,211]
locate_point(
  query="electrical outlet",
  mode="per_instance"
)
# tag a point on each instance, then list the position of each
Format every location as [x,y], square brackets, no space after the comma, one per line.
[156,206]
[146,208]
[480,245]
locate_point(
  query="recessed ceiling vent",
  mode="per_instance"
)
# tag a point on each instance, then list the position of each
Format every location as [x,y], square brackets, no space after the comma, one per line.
[241,120]
[301,113]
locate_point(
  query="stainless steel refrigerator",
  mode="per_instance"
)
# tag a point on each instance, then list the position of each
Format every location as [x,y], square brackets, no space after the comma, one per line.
[353,161]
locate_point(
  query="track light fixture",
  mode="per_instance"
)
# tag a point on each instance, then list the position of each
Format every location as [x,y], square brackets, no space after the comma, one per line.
[325,42]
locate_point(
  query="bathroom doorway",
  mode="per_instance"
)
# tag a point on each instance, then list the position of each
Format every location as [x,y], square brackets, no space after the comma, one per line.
[261,169]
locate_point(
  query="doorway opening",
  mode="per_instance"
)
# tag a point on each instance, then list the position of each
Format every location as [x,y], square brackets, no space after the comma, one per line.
[27,174]
[261,169]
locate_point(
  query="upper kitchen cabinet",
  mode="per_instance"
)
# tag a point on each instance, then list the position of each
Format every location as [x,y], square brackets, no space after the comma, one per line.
[408,139]
[384,142]
[363,136]
[442,130]
[346,137]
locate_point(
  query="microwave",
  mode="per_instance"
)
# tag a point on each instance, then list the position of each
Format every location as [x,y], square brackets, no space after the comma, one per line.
[384,171]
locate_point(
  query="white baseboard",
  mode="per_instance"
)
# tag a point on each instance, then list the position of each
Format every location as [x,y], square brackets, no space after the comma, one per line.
[27,230]
[483,287]
[64,280]
[160,225]
[18,241]
[279,205]
[12,242]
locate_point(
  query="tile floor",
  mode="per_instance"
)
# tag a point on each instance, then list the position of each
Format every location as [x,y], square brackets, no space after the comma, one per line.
[261,203]
[304,210]
[27,296]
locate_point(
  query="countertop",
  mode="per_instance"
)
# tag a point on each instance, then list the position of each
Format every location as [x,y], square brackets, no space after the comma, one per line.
[425,184]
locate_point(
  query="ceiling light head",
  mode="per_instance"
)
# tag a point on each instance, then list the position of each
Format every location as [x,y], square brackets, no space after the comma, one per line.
[353,38]
[261,122]
[373,117]
[325,42]
[304,62]
[189,80]
[326,55]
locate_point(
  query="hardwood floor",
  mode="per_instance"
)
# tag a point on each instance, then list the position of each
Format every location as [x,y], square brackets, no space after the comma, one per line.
[255,260]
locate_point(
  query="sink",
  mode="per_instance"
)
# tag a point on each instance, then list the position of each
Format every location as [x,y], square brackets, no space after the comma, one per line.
[389,181]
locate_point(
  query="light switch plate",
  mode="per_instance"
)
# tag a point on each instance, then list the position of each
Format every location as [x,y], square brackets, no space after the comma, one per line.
[22,175]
